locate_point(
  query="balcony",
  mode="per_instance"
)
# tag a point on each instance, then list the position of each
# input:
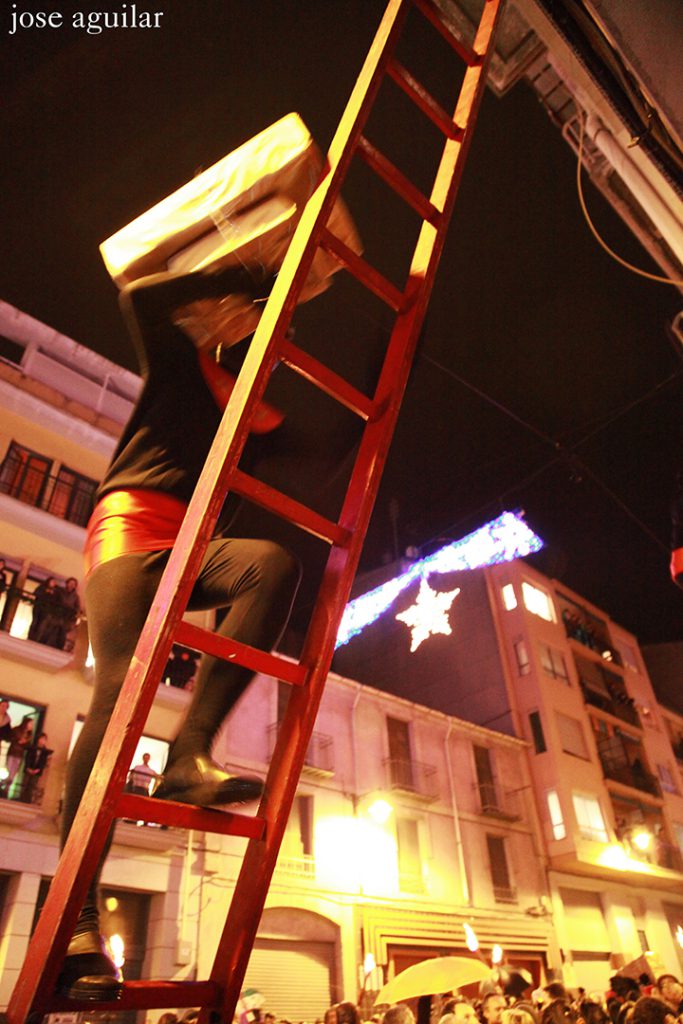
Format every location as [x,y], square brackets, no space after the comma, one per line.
[586,629]
[319,759]
[302,868]
[632,775]
[623,709]
[68,495]
[411,778]
[492,803]
[504,894]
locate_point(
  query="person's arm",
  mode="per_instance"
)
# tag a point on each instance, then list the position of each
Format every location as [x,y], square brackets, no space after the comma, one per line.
[148,304]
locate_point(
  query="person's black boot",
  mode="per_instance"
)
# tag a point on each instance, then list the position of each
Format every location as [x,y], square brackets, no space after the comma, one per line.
[196,779]
[88,971]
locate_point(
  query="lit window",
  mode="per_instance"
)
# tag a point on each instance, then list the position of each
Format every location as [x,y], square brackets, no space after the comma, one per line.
[538,602]
[555,812]
[666,779]
[522,656]
[589,818]
[571,736]
[509,597]
[553,663]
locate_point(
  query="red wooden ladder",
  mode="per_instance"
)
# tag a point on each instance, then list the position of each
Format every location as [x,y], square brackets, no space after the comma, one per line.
[104,799]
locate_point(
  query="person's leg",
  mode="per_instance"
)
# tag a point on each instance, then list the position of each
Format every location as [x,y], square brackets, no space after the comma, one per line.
[256,580]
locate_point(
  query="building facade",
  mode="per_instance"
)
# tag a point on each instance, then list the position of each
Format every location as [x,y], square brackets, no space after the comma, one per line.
[525,655]
[394,841]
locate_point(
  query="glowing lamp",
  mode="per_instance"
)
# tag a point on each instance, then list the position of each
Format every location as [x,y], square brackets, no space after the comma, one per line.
[380,810]
[471,940]
[679,936]
[111,903]
[642,839]
[496,954]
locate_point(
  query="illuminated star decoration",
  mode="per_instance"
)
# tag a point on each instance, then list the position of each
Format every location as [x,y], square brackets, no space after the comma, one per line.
[429,615]
[501,540]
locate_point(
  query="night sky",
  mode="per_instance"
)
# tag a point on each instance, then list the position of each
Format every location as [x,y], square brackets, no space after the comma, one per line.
[529,317]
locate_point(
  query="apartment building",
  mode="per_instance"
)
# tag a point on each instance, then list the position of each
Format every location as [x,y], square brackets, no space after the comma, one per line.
[409,822]
[525,655]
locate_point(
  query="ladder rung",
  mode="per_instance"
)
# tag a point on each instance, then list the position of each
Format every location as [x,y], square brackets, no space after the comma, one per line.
[421,98]
[396,180]
[148,995]
[232,650]
[363,272]
[178,815]
[289,509]
[430,11]
[328,381]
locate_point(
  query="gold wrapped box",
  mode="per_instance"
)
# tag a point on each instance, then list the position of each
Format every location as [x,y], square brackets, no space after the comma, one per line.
[243,209]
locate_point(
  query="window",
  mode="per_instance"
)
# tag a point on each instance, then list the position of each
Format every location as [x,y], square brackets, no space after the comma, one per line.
[666,779]
[500,873]
[555,814]
[27,476]
[627,653]
[553,663]
[537,732]
[14,783]
[509,597]
[589,818]
[522,656]
[571,736]
[296,852]
[24,474]
[400,755]
[409,858]
[538,602]
[485,777]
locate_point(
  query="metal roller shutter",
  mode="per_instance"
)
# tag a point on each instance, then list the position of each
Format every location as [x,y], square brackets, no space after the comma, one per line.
[295,977]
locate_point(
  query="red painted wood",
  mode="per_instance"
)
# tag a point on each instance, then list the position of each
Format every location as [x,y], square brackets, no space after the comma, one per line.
[179,815]
[362,271]
[397,181]
[422,99]
[432,13]
[287,508]
[147,995]
[232,650]
[325,379]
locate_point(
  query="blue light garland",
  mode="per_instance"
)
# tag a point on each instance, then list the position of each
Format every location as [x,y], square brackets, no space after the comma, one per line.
[500,540]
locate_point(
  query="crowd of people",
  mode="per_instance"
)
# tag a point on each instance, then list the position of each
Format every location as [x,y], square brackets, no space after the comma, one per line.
[25,756]
[503,1000]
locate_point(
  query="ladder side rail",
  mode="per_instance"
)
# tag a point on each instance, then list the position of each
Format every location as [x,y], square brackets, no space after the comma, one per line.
[241,926]
[145,995]
[95,815]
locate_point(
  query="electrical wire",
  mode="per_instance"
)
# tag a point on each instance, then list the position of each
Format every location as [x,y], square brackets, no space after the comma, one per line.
[584,209]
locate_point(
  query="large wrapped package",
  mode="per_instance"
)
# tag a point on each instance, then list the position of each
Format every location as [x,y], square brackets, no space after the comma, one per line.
[243,209]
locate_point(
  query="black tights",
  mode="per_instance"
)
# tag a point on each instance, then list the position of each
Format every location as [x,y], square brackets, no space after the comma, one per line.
[255,580]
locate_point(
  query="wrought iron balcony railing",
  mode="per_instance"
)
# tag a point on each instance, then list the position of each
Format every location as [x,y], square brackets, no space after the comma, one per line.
[319,758]
[412,777]
[497,804]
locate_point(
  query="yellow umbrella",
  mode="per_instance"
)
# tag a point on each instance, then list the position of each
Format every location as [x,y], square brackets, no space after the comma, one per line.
[440,974]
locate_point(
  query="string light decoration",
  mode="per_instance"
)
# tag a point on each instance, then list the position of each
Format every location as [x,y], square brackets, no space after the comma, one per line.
[429,615]
[500,540]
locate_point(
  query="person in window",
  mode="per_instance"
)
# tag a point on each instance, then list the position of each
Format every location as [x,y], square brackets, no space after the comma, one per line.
[36,762]
[5,721]
[140,507]
[70,611]
[46,619]
[21,739]
[141,776]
